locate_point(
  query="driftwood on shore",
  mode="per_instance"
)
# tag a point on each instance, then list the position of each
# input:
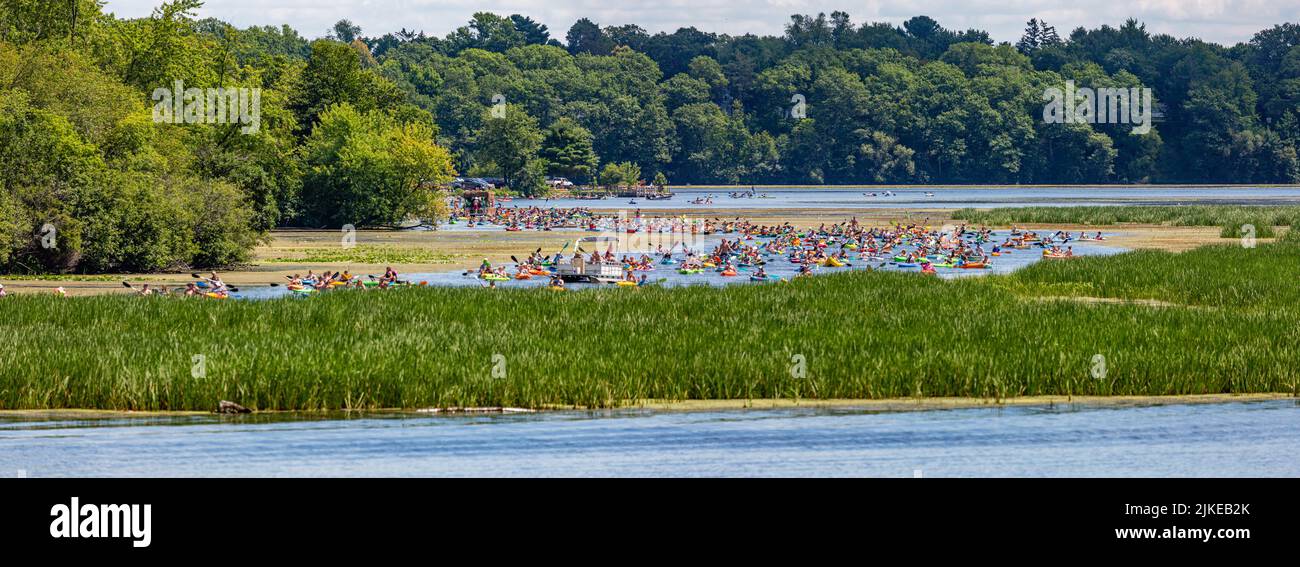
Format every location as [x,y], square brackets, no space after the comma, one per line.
[231,407]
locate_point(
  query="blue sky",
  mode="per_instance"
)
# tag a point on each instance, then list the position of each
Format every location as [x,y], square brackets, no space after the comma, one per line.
[1222,21]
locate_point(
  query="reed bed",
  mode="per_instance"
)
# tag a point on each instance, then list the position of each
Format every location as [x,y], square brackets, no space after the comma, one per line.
[1226,324]
[1229,217]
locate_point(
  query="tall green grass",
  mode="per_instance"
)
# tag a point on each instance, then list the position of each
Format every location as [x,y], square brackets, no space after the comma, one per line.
[1230,328]
[1229,217]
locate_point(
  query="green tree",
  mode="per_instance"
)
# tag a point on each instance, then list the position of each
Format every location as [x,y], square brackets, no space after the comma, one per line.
[620,174]
[367,169]
[334,76]
[510,140]
[568,152]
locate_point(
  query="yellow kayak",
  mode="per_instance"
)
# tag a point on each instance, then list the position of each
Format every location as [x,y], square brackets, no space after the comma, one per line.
[833,263]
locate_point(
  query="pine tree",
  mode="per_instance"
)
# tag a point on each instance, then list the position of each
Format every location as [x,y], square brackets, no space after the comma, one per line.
[1033,37]
[1049,37]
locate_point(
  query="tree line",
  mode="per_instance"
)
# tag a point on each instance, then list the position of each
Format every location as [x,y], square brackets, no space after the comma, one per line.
[362,130]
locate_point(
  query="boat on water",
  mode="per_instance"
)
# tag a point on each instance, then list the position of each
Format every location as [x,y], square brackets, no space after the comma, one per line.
[579,270]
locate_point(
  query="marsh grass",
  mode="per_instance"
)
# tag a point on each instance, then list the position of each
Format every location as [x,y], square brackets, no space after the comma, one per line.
[1229,217]
[1230,329]
[366,254]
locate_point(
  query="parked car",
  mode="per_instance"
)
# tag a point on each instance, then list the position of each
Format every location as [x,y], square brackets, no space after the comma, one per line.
[471,183]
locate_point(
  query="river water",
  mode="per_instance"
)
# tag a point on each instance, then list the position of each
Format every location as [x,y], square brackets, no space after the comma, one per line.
[1185,440]
[858,198]
[777,268]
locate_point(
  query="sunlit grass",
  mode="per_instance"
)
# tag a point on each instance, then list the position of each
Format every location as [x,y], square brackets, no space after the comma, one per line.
[1230,218]
[1227,325]
[368,254]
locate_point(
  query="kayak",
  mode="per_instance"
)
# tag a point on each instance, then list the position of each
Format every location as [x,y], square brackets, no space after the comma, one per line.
[973,266]
[668,262]
[215,295]
[728,273]
[554,288]
[303,291]
[626,284]
[906,265]
[900,258]
[495,278]
[523,276]
[710,265]
[690,272]
[833,263]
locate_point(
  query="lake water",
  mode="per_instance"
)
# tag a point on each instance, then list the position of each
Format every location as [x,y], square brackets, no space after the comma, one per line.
[777,266]
[1229,439]
[858,198]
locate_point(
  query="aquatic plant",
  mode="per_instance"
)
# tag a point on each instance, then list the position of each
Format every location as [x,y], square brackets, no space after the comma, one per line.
[1218,319]
[1230,217]
[366,254]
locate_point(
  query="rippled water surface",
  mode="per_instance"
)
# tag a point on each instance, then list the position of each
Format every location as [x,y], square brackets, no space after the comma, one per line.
[1231,439]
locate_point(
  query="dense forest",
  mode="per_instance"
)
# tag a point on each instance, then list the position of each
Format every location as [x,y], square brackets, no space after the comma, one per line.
[358,129]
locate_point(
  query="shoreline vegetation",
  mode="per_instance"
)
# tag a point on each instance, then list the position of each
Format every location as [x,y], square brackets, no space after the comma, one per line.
[109,164]
[880,405]
[1145,323]
[1235,221]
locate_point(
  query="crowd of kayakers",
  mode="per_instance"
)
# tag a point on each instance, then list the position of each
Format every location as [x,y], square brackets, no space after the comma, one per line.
[516,219]
[746,248]
[749,249]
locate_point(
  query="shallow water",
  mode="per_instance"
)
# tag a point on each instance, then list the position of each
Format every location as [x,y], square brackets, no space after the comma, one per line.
[1232,439]
[780,267]
[857,198]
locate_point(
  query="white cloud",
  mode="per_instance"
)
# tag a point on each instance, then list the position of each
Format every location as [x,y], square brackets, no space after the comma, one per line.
[1223,21]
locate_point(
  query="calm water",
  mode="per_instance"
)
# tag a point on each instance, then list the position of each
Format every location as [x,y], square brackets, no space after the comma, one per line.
[855,198]
[1236,439]
[779,266]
